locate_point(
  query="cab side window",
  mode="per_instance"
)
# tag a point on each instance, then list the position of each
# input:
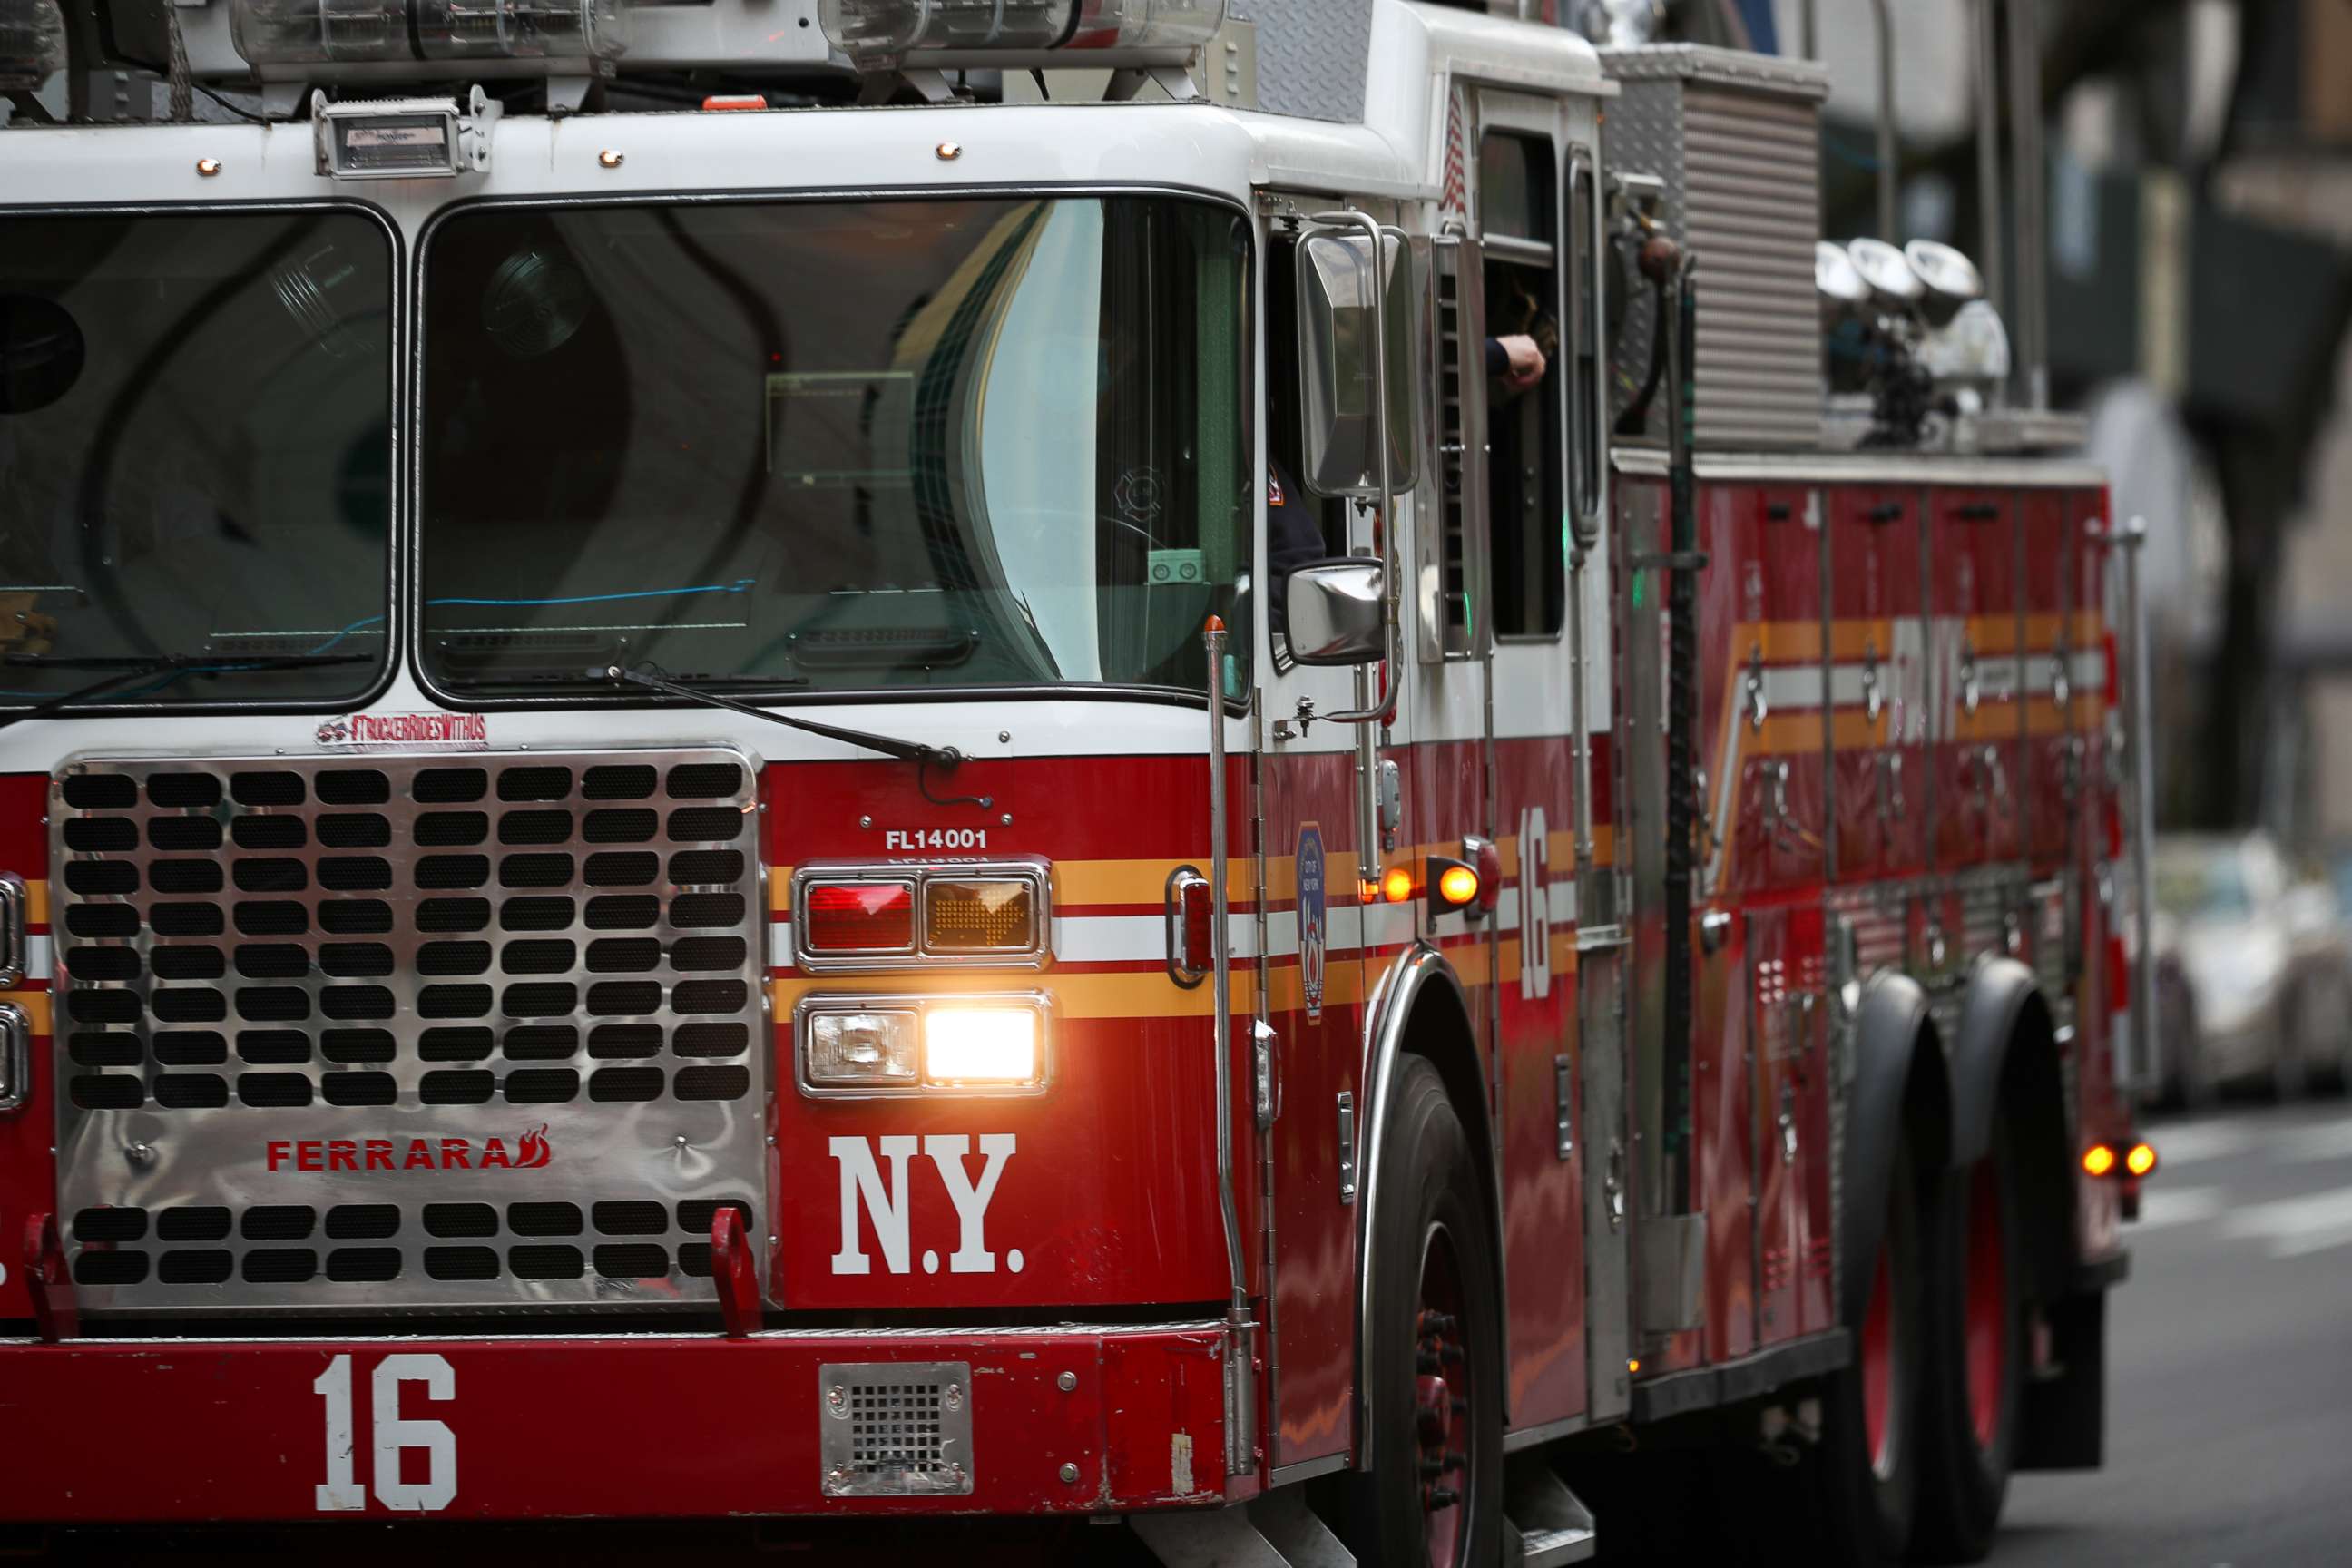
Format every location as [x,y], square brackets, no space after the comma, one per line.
[1519,235]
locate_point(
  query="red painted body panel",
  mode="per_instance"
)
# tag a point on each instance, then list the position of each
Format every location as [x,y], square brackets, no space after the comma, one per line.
[666,1428]
[1877,630]
[1973,619]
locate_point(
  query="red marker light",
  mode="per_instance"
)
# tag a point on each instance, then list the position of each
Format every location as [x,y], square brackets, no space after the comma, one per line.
[859,917]
[719,102]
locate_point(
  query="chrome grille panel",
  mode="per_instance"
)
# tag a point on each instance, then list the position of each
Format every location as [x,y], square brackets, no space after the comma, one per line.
[895,1429]
[398,988]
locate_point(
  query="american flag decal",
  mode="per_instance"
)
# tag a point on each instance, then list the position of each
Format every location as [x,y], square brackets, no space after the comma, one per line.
[1455,201]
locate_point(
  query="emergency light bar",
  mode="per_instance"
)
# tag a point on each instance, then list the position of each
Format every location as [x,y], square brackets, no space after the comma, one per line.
[874,32]
[346,32]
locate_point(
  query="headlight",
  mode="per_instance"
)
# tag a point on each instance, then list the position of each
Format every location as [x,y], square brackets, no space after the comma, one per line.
[867,1050]
[858,1046]
[980,1045]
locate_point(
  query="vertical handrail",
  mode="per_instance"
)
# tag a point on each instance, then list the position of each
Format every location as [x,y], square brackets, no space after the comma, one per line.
[2133,536]
[1238,1443]
[1887,156]
[1682,719]
[1990,249]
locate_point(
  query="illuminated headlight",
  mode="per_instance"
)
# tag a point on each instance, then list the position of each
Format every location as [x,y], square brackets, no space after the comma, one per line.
[994,1046]
[32,43]
[856,1046]
[852,1050]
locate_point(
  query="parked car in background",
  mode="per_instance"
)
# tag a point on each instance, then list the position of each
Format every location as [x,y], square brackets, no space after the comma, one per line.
[2254,976]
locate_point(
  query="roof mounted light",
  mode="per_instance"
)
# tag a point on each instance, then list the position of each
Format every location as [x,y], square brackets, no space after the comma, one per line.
[32,43]
[398,139]
[872,32]
[1881,267]
[1948,279]
[319,32]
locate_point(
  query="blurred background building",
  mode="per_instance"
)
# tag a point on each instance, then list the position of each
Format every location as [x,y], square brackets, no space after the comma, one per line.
[2196,237]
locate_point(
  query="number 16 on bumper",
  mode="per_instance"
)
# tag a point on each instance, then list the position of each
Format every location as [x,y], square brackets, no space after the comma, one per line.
[340,1492]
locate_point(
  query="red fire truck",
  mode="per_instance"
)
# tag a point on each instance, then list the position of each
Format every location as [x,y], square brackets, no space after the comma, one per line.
[846,761]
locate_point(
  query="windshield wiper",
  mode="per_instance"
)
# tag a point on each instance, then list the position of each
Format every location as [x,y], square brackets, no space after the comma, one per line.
[128,667]
[947,759]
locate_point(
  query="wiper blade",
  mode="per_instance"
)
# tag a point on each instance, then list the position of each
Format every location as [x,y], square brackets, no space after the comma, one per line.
[128,667]
[947,759]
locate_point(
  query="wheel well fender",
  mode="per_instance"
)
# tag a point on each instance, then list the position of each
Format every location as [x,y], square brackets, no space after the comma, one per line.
[1900,1090]
[1420,1008]
[2005,1066]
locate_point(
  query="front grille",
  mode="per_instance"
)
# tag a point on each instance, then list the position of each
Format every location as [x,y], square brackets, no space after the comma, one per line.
[895,1429]
[457,955]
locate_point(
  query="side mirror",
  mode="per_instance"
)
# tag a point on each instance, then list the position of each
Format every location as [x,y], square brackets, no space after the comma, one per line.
[1340,284]
[1338,611]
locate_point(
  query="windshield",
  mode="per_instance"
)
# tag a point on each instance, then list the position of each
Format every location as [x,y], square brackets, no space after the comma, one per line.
[195,450]
[841,445]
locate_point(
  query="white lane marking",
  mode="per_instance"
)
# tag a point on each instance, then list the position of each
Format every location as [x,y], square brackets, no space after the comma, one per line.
[2180,1146]
[2295,1227]
[2327,1141]
[2162,1206]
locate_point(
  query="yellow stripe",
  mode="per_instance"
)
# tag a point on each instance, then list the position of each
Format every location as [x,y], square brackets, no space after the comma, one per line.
[37,903]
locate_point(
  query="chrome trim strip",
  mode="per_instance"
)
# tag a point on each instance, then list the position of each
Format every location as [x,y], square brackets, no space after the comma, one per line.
[1073,1332]
[1306,1469]
[815,1002]
[17,1048]
[1536,1436]
[15,960]
[1038,873]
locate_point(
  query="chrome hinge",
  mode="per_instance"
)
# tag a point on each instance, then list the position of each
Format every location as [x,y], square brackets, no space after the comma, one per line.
[1347,1146]
[1563,1115]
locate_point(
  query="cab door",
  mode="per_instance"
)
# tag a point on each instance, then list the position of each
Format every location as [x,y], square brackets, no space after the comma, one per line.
[1532,230]
[1312,850]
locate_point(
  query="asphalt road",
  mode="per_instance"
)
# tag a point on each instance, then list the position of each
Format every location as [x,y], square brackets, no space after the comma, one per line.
[2228,1360]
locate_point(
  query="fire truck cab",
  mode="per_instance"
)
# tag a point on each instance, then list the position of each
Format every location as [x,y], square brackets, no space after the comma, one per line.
[864,761]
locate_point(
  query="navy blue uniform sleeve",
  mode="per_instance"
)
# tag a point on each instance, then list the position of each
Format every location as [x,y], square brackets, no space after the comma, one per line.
[1292,538]
[1498,359]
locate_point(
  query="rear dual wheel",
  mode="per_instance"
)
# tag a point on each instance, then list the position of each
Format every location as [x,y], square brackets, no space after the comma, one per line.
[1976,1376]
[1868,1459]
[1435,1493]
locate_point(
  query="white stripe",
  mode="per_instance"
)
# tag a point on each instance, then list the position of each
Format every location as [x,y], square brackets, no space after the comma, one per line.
[2162,1206]
[2210,1141]
[39,960]
[780,944]
[2328,1140]
[2295,1227]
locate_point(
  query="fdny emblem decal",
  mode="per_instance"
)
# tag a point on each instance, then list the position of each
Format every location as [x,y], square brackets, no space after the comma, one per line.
[530,1151]
[887,1199]
[1311,915]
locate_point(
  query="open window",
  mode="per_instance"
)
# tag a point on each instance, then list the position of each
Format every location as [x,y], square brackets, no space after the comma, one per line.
[1520,224]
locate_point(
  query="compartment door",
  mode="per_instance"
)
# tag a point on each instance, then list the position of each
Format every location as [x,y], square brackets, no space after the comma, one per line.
[2052,734]
[1762,685]
[1878,687]
[1972,598]
[1790,1121]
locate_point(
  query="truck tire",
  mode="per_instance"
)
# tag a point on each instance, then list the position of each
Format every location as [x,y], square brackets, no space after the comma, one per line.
[1869,1456]
[1976,1367]
[1435,1495]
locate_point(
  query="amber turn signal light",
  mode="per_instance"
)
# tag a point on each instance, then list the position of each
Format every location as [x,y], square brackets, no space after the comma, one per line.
[1396,884]
[2141,1160]
[2099,1160]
